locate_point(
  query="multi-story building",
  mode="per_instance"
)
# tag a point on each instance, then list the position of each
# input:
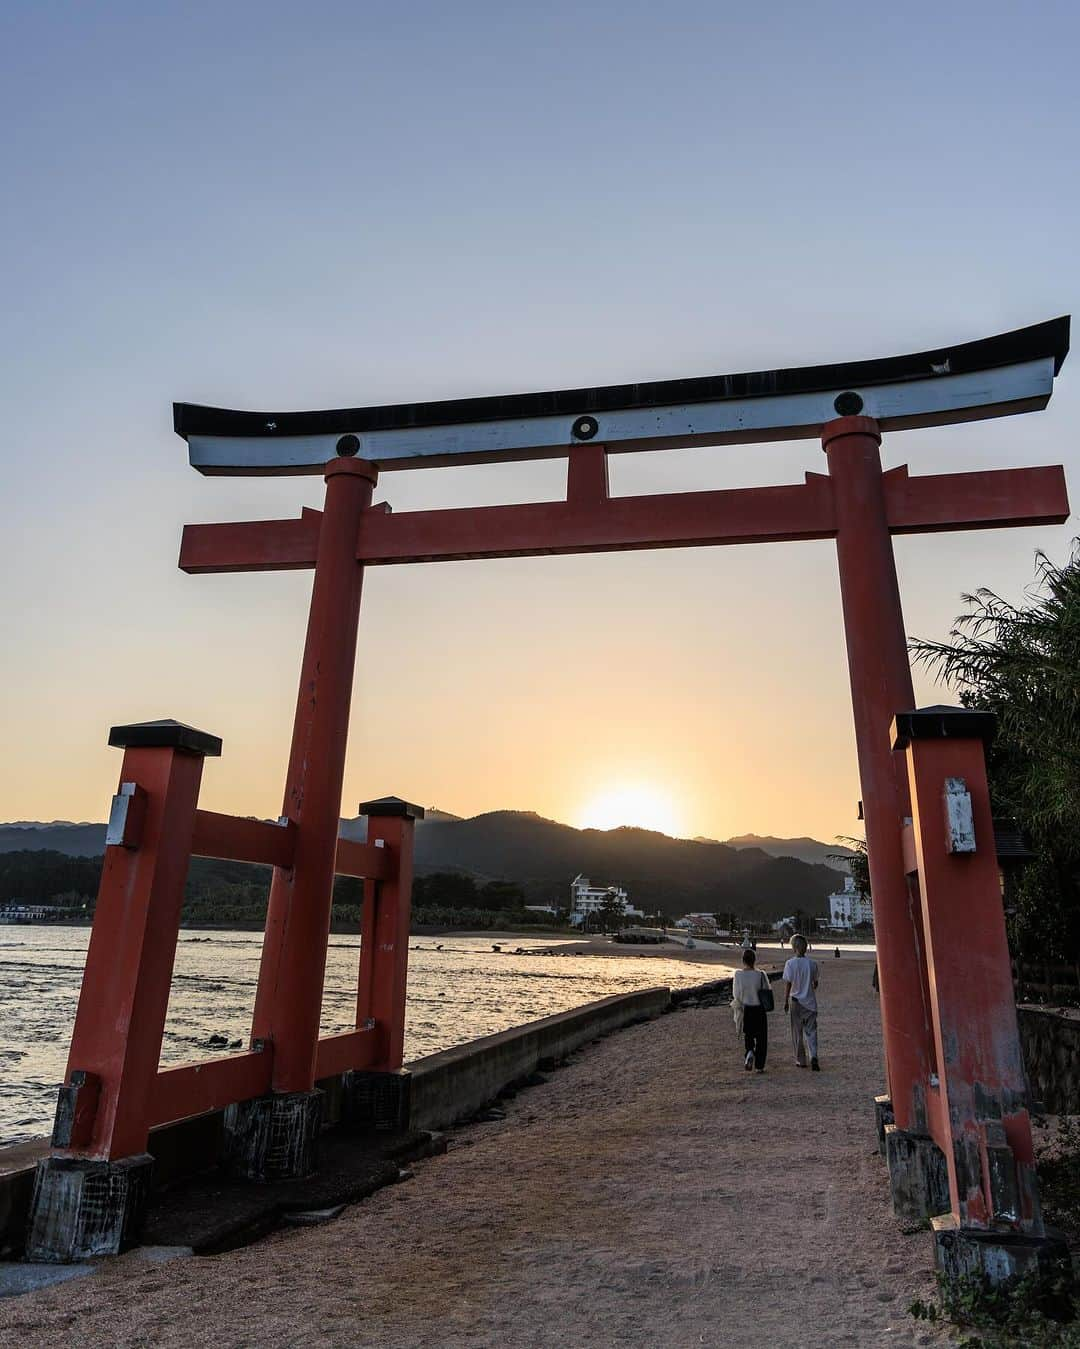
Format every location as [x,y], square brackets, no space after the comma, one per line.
[848,908]
[587,899]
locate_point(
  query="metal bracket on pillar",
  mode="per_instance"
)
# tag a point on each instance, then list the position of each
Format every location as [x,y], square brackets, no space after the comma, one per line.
[127,816]
[76,1108]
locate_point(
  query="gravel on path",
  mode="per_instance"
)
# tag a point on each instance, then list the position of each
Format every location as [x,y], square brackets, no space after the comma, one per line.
[652,1193]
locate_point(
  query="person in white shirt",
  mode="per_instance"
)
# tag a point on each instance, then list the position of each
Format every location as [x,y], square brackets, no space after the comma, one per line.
[750,1015]
[800,999]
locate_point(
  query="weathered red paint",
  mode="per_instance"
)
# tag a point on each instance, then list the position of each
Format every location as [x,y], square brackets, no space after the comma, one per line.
[346,1050]
[363,859]
[193,1088]
[289,997]
[979,1061]
[384,942]
[129,963]
[881,686]
[590,521]
[242,840]
[587,475]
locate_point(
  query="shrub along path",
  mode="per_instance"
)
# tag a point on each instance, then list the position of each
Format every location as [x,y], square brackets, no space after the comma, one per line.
[652,1193]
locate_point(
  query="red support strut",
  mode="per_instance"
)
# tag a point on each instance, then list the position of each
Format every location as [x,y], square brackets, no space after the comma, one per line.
[982,1124]
[384,940]
[106,1109]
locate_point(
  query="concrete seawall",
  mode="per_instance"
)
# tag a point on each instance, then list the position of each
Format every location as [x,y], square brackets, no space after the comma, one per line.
[445,1088]
[453,1085]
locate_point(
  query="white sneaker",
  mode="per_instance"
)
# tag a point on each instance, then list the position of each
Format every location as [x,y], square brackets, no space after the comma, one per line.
[749,1060]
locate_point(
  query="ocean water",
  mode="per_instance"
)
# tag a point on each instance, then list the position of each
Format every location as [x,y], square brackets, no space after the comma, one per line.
[458,993]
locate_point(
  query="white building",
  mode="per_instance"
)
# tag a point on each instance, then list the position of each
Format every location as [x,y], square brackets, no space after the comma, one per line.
[847,908]
[587,899]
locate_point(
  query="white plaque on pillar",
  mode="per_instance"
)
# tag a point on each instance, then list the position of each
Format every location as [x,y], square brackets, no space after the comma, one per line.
[959,817]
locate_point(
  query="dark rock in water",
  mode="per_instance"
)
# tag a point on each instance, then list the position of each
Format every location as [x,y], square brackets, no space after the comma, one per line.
[218,1041]
[236,1044]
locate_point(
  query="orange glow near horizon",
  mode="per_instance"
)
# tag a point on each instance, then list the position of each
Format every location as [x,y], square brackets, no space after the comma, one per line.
[634,804]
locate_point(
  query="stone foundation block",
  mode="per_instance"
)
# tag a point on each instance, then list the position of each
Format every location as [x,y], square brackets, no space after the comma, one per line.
[918,1174]
[273,1137]
[83,1209]
[377,1102]
[960,1252]
[883,1114]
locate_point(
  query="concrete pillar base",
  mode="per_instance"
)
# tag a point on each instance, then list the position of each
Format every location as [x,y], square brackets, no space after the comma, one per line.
[83,1208]
[273,1137]
[883,1114]
[377,1102]
[918,1174]
[960,1252]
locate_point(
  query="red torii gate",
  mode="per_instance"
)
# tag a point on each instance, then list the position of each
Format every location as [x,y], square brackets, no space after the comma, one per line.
[960,1137]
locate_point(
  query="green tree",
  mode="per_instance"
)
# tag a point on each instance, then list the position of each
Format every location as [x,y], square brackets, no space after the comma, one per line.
[610,912]
[1022,662]
[501,895]
[858,864]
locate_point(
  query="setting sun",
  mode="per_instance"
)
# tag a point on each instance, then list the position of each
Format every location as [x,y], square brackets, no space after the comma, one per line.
[635,804]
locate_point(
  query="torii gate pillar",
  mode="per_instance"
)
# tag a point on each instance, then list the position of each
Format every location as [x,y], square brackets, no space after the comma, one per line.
[880,676]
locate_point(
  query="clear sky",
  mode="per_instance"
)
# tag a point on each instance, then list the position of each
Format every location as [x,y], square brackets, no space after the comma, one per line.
[330,204]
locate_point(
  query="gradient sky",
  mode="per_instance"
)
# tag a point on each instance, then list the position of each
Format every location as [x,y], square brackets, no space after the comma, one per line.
[266,205]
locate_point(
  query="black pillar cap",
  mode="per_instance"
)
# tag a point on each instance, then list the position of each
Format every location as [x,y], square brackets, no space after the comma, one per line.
[942,723]
[392,806]
[165,734]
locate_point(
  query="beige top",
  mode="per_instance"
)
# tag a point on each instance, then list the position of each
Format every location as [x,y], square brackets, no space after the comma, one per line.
[745,986]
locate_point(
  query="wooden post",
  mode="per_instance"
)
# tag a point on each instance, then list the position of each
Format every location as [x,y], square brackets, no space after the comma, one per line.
[384,940]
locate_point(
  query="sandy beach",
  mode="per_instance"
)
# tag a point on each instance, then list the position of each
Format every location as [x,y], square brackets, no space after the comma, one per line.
[651,1193]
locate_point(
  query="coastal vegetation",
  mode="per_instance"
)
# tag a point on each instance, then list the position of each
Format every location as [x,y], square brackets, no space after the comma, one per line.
[220,892]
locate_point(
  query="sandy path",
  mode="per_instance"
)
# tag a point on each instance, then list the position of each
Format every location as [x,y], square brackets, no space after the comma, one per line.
[651,1194]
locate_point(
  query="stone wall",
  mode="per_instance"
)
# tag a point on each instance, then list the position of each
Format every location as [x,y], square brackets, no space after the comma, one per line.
[1051,1045]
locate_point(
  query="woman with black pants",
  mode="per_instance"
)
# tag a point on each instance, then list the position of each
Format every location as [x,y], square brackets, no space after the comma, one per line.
[749,1013]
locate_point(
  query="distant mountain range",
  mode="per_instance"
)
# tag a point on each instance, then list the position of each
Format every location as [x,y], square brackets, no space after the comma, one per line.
[76,840]
[805,849]
[757,877]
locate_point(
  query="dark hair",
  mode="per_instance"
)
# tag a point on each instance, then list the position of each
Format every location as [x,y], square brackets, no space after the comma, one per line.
[749,956]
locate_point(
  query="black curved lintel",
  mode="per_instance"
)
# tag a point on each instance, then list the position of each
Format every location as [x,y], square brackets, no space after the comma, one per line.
[1041,340]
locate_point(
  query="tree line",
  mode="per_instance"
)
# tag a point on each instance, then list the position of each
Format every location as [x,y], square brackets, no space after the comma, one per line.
[220,891]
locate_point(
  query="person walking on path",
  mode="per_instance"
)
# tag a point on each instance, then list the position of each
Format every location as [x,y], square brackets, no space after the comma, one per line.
[800,999]
[750,1015]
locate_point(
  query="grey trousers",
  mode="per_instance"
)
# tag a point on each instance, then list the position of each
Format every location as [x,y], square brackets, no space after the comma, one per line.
[803,1031]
